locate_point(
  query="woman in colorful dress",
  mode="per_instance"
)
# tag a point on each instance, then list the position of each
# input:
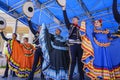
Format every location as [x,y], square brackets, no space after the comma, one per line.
[55,53]
[38,59]
[26,59]
[12,52]
[101,56]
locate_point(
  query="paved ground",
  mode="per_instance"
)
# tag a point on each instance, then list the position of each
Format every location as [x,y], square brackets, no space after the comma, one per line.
[37,77]
[15,78]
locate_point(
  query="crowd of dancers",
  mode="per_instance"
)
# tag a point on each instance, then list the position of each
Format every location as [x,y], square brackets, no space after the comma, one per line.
[90,50]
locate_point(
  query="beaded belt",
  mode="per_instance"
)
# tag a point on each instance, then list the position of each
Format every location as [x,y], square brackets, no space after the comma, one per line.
[74,41]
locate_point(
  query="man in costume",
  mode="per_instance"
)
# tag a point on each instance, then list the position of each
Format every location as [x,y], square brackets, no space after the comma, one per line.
[10,52]
[116,14]
[76,51]
[38,52]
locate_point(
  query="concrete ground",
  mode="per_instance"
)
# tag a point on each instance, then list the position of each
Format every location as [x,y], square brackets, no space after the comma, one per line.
[15,78]
[37,77]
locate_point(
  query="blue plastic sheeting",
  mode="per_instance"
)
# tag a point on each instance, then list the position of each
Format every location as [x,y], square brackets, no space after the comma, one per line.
[99,9]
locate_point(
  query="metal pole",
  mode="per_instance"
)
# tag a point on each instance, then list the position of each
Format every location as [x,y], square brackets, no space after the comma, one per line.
[18,3]
[86,10]
[14,8]
[56,20]
[15,28]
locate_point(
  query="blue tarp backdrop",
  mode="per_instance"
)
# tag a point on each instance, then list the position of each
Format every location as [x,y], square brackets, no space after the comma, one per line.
[46,11]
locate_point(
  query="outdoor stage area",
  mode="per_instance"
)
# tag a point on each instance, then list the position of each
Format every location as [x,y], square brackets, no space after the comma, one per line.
[60,38]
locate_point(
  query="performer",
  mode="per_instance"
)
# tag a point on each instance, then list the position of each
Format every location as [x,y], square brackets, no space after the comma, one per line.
[76,51]
[38,53]
[58,55]
[11,52]
[26,59]
[101,54]
[116,15]
[115,11]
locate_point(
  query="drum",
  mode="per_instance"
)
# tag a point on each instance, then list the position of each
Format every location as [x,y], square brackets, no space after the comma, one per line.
[28,9]
[2,23]
[62,3]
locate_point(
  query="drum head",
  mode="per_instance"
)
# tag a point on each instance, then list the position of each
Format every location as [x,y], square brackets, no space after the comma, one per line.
[28,9]
[2,23]
[62,3]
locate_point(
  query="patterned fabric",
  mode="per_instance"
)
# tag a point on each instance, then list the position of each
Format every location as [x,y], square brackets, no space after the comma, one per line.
[8,49]
[56,57]
[28,57]
[46,49]
[101,62]
[17,59]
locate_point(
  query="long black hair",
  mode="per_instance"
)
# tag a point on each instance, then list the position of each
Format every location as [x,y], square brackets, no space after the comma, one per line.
[15,34]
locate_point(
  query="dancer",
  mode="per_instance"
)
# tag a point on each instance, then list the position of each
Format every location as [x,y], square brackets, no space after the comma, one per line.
[57,54]
[101,54]
[38,53]
[76,51]
[26,59]
[116,15]
[11,52]
[115,11]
